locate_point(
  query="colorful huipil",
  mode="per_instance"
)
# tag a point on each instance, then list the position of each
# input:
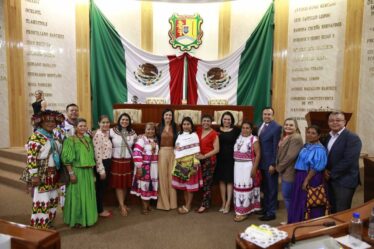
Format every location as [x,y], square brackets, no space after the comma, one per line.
[145,157]
[80,206]
[43,160]
[246,194]
[187,174]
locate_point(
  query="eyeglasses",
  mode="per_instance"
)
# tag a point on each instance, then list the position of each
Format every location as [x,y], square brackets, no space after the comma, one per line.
[336,120]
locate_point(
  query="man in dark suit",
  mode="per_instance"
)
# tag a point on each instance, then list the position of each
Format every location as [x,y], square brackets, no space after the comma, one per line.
[269,136]
[342,171]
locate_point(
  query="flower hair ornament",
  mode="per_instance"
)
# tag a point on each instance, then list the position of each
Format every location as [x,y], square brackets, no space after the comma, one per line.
[46,115]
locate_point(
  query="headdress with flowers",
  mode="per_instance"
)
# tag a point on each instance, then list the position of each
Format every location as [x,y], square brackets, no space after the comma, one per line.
[37,119]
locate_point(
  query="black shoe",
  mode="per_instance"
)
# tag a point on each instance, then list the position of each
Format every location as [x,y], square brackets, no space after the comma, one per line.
[267,218]
[260,212]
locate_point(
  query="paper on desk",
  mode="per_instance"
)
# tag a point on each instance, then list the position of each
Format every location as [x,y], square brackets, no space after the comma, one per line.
[4,241]
[351,242]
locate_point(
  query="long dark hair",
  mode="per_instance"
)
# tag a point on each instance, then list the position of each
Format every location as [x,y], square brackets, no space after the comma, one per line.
[119,127]
[162,126]
[231,116]
[188,119]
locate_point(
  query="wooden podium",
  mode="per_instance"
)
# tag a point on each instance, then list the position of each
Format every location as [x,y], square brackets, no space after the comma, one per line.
[26,237]
[341,219]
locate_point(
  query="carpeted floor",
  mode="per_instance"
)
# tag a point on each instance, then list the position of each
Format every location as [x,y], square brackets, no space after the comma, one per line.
[159,230]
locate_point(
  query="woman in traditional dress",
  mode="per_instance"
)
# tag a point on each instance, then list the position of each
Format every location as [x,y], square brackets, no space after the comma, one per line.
[289,147]
[145,183]
[103,156]
[209,147]
[246,183]
[79,158]
[43,161]
[187,171]
[123,138]
[166,135]
[224,173]
[309,167]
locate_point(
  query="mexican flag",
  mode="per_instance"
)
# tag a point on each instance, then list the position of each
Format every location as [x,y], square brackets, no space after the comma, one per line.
[120,71]
[243,78]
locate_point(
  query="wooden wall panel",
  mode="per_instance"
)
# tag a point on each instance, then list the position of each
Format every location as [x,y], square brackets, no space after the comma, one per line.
[147,26]
[352,60]
[279,84]
[83,59]
[17,88]
[224,29]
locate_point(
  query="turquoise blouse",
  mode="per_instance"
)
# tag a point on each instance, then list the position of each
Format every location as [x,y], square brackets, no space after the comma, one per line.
[312,156]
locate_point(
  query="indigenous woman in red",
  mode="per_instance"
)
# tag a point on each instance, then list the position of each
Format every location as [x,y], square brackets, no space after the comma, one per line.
[123,138]
[209,147]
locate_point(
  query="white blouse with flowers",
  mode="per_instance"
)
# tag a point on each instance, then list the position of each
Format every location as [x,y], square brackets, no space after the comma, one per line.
[103,149]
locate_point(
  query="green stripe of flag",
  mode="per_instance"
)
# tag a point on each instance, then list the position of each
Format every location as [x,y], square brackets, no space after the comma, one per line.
[254,83]
[108,67]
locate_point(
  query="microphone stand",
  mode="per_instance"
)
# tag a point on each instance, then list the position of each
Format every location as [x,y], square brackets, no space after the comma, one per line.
[324,224]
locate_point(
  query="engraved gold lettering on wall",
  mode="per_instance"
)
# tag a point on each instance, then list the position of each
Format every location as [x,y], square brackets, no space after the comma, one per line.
[49,51]
[366,100]
[315,52]
[4,121]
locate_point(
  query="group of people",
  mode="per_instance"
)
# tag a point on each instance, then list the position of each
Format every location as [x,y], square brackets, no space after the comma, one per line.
[318,178]
[167,158]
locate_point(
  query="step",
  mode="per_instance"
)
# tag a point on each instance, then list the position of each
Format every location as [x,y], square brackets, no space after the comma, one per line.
[11,179]
[12,165]
[18,154]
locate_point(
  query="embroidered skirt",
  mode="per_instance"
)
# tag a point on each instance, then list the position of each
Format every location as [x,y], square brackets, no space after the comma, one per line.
[121,173]
[146,186]
[187,174]
[246,195]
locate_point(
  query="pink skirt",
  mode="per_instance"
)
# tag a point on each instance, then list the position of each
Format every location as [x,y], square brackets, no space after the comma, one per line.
[121,173]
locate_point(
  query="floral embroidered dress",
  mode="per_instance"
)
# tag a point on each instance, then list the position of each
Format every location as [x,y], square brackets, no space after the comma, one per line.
[80,205]
[43,160]
[145,157]
[246,194]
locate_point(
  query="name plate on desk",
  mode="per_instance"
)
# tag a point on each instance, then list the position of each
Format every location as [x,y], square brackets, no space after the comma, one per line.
[322,242]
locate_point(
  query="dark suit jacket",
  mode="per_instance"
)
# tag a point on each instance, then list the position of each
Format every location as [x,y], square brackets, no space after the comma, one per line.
[343,159]
[287,155]
[269,144]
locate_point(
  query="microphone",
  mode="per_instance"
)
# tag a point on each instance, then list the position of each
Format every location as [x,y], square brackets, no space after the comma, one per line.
[324,224]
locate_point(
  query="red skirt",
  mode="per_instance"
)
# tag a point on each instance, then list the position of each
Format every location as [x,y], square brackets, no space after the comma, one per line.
[121,173]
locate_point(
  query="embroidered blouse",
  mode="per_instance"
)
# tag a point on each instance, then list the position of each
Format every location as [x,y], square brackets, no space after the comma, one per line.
[243,148]
[312,156]
[38,148]
[145,151]
[120,149]
[103,149]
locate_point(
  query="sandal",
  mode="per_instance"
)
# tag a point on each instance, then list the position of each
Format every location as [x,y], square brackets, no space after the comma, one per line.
[183,210]
[123,210]
[201,210]
[105,214]
[239,218]
[145,211]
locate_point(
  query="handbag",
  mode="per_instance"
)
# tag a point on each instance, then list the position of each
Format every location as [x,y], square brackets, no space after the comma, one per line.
[316,197]
[63,175]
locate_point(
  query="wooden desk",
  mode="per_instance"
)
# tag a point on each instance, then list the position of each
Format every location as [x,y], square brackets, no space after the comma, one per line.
[368,178]
[26,237]
[342,220]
